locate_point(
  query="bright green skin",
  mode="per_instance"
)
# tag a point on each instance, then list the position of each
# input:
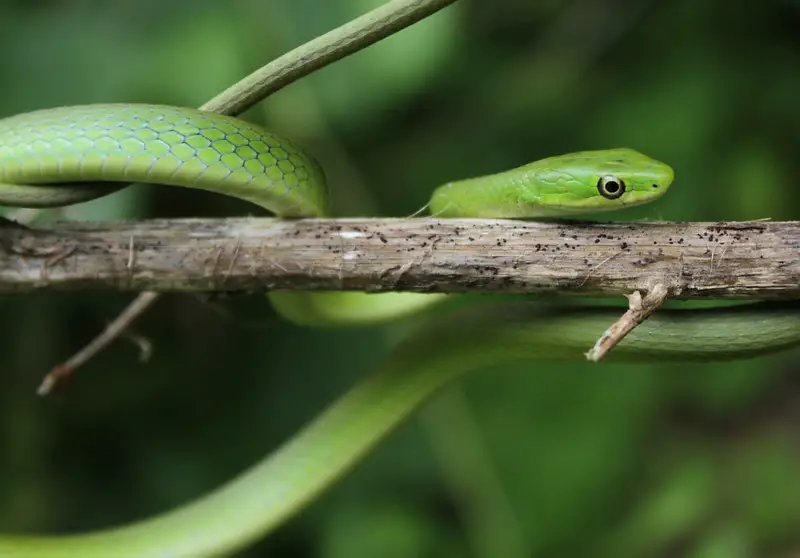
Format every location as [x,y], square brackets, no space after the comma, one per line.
[164,145]
[555,187]
[158,144]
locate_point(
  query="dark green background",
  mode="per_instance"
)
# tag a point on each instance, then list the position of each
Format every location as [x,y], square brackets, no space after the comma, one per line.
[529,460]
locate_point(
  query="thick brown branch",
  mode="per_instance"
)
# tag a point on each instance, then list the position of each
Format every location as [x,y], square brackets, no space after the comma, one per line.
[741,259]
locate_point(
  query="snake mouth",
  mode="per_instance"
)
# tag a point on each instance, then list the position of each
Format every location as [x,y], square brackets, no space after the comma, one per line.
[631,198]
[637,198]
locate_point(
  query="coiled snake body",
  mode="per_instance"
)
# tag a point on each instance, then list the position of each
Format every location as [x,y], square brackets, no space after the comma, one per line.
[67,155]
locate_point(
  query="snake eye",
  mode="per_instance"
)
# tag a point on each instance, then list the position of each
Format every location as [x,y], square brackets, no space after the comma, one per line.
[610,187]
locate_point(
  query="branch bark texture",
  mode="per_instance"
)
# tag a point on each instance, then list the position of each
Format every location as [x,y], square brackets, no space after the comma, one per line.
[694,260]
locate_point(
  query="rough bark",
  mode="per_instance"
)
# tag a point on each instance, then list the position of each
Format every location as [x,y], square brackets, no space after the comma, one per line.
[722,259]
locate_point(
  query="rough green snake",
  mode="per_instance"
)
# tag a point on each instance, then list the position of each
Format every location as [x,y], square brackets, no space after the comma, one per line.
[67,155]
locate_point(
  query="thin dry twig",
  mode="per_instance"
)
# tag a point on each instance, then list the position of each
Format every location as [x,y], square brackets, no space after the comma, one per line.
[144,345]
[110,333]
[639,309]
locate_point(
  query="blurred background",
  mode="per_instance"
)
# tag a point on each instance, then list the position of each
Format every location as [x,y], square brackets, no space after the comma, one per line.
[530,460]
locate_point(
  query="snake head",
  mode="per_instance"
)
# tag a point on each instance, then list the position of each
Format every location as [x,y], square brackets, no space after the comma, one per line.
[583,182]
[591,181]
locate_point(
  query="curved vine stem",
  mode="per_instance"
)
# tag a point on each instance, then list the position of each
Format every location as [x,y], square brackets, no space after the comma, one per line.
[357,34]
[383,21]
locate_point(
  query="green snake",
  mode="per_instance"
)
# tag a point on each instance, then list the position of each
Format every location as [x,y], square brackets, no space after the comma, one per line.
[68,155]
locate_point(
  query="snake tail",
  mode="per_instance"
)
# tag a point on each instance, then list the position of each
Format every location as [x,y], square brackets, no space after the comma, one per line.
[487,334]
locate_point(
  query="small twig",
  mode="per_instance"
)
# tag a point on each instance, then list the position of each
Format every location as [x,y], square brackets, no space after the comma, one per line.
[639,309]
[111,332]
[144,345]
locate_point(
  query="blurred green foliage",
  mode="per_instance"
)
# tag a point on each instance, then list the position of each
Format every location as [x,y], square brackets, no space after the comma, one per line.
[525,460]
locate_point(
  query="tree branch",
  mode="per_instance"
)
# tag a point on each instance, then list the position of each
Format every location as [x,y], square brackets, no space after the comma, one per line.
[693,260]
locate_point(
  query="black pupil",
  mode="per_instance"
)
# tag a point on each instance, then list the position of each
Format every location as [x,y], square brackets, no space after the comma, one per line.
[612,187]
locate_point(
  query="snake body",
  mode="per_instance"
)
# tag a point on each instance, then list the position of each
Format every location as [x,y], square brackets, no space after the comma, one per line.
[68,155]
